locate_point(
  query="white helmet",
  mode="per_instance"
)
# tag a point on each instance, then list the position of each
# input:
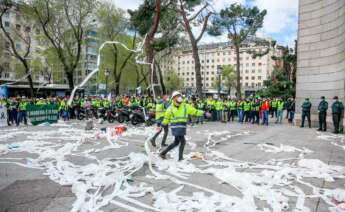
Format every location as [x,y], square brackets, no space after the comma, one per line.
[175,93]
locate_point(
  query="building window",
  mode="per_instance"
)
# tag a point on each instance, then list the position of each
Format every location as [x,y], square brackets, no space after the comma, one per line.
[18,27]
[223,53]
[247,64]
[187,73]
[7,24]
[247,71]
[207,61]
[259,84]
[218,53]
[253,71]
[259,71]
[253,64]
[247,78]
[246,84]
[206,78]
[187,79]
[212,78]
[253,84]
[259,77]
[259,64]
[253,78]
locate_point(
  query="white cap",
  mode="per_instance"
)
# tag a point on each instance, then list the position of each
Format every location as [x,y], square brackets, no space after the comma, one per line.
[175,93]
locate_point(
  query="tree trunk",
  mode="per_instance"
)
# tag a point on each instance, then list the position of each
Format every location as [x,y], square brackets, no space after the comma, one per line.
[161,80]
[150,38]
[238,86]
[117,87]
[31,86]
[70,80]
[197,69]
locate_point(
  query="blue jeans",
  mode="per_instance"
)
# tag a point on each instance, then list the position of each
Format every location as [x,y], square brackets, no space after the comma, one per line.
[265,115]
[291,116]
[240,115]
[20,117]
[279,116]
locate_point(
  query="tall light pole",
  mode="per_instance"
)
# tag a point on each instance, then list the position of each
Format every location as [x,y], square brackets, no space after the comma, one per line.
[106,73]
[219,73]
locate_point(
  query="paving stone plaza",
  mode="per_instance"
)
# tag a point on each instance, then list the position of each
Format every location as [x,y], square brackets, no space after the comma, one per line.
[227,167]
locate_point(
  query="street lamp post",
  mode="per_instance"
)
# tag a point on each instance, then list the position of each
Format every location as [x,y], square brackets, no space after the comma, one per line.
[219,73]
[106,73]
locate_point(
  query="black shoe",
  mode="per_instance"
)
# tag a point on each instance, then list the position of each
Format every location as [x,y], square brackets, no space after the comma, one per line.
[164,145]
[181,159]
[153,143]
[301,126]
[319,129]
[324,130]
[162,156]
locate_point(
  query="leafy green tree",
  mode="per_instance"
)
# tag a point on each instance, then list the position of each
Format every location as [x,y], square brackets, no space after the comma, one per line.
[114,28]
[229,77]
[157,21]
[289,60]
[65,25]
[238,22]
[21,34]
[200,17]
[172,81]
[278,84]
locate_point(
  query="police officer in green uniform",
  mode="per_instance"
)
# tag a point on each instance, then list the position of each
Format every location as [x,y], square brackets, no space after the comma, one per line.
[177,116]
[322,108]
[337,115]
[306,106]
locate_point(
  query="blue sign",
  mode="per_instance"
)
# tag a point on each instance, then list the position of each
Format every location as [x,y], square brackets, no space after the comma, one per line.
[4,91]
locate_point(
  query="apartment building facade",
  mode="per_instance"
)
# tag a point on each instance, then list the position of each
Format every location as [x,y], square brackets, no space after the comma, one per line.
[253,70]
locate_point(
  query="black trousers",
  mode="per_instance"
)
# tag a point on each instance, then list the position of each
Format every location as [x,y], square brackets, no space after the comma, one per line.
[306,115]
[165,135]
[255,117]
[247,117]
[232,114]
[322,120]
[336,122]
[178,140]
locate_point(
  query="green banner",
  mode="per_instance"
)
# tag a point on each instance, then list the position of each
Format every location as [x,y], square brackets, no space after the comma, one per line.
[39,114]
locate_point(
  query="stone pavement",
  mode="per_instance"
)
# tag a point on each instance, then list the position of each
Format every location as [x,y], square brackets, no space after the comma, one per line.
[28,189]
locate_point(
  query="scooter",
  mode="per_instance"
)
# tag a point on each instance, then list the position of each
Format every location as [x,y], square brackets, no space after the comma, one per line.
[140,115]
[123,114]
[85,114]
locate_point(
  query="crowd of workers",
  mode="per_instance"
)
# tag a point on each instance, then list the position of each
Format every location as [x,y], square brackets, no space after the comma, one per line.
[177,111]
[254,110]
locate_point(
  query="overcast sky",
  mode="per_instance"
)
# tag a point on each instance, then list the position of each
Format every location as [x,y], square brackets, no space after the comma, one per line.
[280,21]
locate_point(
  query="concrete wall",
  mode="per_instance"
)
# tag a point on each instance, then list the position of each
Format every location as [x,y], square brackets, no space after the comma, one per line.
[321,52]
